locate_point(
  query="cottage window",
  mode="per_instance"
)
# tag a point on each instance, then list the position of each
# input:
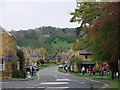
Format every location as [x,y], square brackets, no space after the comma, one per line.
[86,57]
[2,65]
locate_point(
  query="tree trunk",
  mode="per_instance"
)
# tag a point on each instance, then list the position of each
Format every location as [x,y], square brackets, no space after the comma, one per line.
[113,74]
[75,67]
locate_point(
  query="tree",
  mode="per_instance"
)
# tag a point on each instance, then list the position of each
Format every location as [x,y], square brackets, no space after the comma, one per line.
[41,61]
[20,55]
[86,13]
[82,43]
[76,62]
[106,34]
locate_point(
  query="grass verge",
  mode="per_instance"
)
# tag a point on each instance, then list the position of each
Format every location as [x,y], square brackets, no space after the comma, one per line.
[116,83]
[44,66]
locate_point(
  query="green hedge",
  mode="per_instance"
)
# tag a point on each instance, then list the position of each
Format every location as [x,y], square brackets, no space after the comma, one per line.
[16,74]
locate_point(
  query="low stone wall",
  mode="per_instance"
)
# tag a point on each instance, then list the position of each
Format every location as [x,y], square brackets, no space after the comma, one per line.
[6,75]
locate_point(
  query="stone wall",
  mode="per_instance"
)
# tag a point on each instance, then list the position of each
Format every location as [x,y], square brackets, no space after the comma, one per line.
[8,49]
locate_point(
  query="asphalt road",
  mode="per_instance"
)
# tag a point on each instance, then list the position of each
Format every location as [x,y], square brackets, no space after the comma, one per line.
[50,79]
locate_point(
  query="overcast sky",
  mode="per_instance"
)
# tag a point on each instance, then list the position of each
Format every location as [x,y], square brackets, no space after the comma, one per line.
[24,14]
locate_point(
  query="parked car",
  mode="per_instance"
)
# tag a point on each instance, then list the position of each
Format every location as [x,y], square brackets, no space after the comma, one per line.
[61,65]
[106,68]
[28,68]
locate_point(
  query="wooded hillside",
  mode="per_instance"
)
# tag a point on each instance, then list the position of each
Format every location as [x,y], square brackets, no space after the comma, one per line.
[51,38]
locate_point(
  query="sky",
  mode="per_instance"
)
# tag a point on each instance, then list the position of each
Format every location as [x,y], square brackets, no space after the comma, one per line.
[30,14]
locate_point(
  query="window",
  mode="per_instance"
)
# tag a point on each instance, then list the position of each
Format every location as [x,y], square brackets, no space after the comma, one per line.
[2,65]
[86,57]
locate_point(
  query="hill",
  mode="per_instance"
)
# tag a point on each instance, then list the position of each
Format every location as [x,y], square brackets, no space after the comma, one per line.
[51,38]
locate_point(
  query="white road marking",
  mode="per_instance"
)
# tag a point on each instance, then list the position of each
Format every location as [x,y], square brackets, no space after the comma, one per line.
[82,82]
[105,84]
[25,87]
[54,83]
[29,87]
[95,81]
[5,82]
[63,79]
[55,76]
[40,87]
[57,87]
[34,87]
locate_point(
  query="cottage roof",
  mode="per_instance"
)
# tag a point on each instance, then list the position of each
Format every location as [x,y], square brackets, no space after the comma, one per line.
[64,55]
[7,32]
[49,57]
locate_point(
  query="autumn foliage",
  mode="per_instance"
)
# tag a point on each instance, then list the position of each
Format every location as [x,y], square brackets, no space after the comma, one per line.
[106,31]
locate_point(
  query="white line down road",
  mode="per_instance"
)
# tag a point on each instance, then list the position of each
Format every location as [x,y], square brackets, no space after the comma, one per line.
[63,80]
[57,87]
[54,83]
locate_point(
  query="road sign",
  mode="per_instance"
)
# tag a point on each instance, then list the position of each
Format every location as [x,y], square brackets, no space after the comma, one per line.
[7,58]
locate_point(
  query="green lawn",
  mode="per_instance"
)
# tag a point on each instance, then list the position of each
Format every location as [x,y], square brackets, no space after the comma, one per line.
[60,70]
[58,43]
[43,66]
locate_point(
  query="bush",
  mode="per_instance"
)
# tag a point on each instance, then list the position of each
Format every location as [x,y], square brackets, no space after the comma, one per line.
[76,60]
[48,62]
[16,74]
[41,61]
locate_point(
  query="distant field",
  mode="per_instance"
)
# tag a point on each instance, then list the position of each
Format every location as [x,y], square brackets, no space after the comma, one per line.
[60,43]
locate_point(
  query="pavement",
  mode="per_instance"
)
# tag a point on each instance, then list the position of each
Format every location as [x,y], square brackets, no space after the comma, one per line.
[21,79]
[51,79]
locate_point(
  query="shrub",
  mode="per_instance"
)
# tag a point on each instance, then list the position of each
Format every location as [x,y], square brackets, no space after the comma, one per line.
[76,60]
[16,74]
[41,61]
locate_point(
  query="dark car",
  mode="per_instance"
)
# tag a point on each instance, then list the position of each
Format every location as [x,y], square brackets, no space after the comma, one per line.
[27,68]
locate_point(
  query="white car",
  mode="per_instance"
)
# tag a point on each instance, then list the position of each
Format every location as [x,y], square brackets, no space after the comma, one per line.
[60,66]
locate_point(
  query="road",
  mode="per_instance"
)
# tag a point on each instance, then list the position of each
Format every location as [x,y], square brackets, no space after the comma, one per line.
[50,79]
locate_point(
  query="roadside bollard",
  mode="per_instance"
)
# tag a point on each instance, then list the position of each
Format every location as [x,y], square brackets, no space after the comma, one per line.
[91,86]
